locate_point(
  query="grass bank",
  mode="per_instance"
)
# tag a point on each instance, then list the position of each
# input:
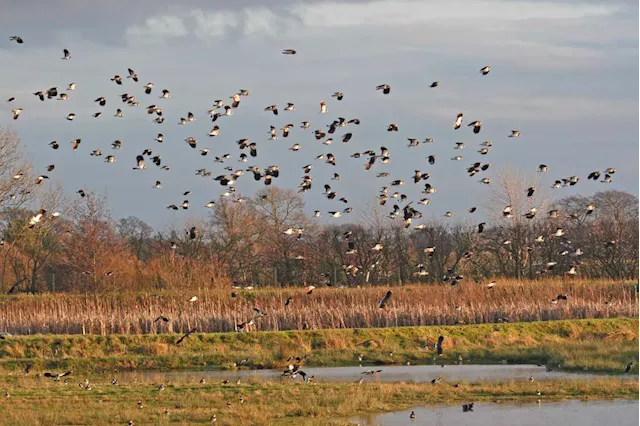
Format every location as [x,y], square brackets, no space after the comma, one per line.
[410,305]
[599,345]
[40,401]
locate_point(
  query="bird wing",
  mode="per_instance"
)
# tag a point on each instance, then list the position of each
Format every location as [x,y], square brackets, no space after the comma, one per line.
[385,299]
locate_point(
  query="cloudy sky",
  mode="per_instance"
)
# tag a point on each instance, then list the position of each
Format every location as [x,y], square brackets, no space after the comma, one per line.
[565,73]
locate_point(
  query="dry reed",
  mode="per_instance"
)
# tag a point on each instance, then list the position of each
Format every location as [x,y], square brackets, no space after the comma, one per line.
[413,305]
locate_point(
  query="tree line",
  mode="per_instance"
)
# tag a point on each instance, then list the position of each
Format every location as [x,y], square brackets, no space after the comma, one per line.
[270,240]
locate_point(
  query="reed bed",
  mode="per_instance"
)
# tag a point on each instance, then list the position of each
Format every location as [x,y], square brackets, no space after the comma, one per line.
[326,308]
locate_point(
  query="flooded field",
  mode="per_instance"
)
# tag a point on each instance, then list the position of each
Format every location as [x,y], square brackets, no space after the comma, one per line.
[571,413]
[412,373]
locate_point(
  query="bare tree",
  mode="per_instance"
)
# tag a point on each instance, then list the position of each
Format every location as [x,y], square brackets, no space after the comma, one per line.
[278,210]
[235,237]
[29,249]
[17,184]
[515,214]
[95,258]
[138,234]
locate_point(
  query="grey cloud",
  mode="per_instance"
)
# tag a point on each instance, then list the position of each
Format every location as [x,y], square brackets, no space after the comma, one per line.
[566,79]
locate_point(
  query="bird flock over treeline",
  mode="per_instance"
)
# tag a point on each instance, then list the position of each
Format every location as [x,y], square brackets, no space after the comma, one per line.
[323,131]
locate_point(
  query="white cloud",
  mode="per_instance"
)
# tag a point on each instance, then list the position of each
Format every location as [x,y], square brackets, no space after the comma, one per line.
[214,24]
[260,21]
[157,28]
[526,33]
[388,12]
[205,25]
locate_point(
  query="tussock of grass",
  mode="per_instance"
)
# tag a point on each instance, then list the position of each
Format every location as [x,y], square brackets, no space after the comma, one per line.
[602,345]
[37,401]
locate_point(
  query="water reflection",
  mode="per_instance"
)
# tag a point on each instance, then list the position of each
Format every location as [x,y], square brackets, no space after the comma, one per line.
[414,373]
[570,413]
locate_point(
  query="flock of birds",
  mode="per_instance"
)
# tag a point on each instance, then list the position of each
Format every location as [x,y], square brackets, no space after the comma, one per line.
[325,133]
[292,371]
[222,110]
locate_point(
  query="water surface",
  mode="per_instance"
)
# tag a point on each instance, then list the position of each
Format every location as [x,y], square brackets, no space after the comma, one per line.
[570,413]
[396,373]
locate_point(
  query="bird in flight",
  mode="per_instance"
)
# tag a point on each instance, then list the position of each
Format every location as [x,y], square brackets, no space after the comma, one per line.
[186,335]
[384,300]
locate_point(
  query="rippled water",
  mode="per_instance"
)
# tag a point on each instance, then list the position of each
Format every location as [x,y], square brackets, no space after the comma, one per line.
[570,413]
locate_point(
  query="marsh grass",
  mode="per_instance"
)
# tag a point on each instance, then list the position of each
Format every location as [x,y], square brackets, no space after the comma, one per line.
[326,308]
[38,401]
[599,345]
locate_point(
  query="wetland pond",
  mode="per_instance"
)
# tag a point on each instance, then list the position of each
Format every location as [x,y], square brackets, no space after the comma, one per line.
[568,413]
[395,373]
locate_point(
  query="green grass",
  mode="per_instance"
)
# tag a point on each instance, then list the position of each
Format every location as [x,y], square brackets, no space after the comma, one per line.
[39,401]
[598,345]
